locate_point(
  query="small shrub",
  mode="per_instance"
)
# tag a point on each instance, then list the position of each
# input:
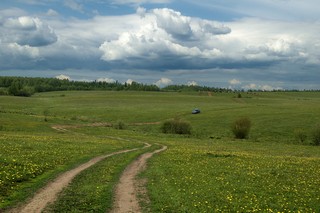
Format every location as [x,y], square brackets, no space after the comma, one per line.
[316,135]
[176,126]
[119,125]
[241,128]
[300,135]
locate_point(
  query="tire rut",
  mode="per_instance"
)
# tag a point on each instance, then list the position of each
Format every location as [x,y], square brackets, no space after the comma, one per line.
[126,191]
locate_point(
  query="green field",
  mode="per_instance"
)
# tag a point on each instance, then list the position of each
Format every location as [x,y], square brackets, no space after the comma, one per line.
[208,171]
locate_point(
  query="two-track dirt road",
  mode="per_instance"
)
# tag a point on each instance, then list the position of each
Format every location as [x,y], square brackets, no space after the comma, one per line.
[126,193]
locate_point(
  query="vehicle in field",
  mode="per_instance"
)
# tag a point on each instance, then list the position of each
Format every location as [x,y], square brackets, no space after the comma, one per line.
[196,111]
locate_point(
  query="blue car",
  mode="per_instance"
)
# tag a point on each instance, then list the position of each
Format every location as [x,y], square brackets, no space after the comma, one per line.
[196,111]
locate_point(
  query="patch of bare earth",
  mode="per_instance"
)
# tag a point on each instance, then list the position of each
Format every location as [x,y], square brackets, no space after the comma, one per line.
[128,187]
[49,193]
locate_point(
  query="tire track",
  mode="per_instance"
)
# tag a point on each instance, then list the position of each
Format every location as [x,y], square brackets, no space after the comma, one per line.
[126,190]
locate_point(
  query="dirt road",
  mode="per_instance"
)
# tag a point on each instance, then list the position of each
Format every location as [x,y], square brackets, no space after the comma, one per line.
[126,191]
[49,193]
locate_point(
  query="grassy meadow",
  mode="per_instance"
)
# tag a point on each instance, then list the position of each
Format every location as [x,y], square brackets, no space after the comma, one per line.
[274,170]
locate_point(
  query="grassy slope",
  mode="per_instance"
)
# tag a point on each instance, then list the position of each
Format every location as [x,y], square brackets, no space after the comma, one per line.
[31,152]
[230,176]
[275,116]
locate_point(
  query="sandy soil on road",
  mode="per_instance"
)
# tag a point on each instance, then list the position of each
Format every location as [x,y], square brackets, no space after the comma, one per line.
[126,190]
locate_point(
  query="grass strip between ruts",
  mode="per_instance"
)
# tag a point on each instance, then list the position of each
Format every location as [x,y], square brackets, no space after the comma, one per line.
[93,189]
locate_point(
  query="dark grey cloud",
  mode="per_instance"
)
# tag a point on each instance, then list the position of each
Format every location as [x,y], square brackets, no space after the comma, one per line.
[26,30]
[210,27]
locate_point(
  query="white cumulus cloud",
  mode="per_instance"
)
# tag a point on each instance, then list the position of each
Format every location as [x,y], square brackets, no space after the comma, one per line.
[264,87]
[129,81]
[63,77]
[173,22]
[17,50]
[192,83]
[163,82]
[164,35]
[234,82]
[107,80]
[141,12]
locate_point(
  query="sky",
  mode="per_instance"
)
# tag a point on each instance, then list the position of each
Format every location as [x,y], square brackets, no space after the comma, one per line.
[237,44]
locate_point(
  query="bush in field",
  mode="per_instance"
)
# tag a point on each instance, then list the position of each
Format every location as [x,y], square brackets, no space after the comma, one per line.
[119,125]
[300,135]
[316,135]
[241,128]
[176,126]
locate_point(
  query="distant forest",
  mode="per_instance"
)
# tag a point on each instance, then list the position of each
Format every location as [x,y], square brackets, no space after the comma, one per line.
[27,86]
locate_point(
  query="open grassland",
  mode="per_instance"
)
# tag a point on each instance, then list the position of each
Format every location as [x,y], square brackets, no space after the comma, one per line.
[224,176]
[208,170]
[27,161]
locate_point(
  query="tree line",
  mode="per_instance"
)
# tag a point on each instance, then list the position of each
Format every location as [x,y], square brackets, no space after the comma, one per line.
[27,86]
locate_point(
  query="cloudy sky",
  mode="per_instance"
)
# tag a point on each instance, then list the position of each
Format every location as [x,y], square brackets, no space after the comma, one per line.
[241,44]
